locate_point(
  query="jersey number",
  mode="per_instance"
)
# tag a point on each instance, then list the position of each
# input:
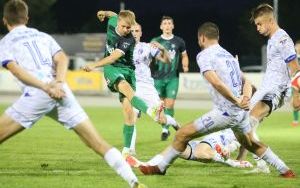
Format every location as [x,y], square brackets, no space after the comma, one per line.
[36,54]
[234,74]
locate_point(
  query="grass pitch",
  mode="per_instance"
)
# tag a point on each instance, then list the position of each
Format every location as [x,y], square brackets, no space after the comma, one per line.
[47,155]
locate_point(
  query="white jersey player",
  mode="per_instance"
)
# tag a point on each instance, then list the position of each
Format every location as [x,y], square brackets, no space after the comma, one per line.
[39,63]
[215,147]
[281,65]
[143,54]
[224,77]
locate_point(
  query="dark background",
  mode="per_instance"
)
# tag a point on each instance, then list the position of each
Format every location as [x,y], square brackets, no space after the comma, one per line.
[238,35]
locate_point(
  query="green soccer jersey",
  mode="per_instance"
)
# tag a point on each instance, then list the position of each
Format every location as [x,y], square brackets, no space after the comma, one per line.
[175,47]
[116,42]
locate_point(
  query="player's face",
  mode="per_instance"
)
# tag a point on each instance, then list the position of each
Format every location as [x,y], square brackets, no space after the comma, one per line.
[136,32]
[263,24]
[123,27]
[167,26]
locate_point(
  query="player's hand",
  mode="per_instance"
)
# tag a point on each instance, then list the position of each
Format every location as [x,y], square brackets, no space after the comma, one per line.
[101,15]
[243,102]
[157,45]
[88,67]
[55,90]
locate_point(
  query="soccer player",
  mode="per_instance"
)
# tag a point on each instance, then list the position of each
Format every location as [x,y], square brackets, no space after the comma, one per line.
[214,147]
[40,65]
[296,98]
[119,69]
[222,72]
[166,75]
[281,64]
[143,54]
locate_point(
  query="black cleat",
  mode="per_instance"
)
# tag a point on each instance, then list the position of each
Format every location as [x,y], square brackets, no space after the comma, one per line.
[165,135]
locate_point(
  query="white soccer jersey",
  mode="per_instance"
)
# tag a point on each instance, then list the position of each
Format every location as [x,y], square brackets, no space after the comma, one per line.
[280,51]
[143,54]
[215,58]
[223,138]
[32,50]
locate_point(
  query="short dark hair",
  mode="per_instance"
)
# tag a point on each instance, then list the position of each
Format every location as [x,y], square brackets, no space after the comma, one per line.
[166,18]
[209,30]
[15,12]
[261,10]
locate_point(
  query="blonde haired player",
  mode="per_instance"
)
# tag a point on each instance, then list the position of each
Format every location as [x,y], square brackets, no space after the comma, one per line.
[40,65]
[118,66]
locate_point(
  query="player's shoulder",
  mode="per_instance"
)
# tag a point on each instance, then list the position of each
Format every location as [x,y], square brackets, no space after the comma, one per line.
[178,38]
[281,37]
[157,39]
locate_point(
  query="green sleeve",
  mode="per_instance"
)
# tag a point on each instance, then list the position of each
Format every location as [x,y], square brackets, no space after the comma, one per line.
[112,21]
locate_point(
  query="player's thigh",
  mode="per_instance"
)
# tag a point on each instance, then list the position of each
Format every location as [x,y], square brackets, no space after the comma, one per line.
[30,107]
[260,110]
[8,127]
[172,88]
[147,93]
[160,88]
[70,113]
[212,121]
[113,76]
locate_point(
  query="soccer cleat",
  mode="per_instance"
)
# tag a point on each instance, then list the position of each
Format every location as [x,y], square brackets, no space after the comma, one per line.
[288,174]
[294,81]
[294,123]
[151,170]
[133,162]
[164,135]
[139,185]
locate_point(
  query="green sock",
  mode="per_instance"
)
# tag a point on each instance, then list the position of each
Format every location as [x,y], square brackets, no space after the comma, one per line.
[170,112]
[139,104]
[295,115]
[127,134]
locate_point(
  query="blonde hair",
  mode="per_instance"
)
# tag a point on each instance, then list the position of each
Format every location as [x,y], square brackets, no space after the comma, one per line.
[128,16]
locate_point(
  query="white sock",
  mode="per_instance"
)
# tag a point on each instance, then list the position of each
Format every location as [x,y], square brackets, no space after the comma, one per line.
[168,158]
[133,139]
[114,159]
[171,120]
[274,160]
[155,160]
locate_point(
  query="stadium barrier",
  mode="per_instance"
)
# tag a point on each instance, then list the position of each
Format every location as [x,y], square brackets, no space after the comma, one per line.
[191,85]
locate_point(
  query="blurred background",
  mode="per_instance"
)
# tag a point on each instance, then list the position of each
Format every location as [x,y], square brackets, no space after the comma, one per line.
[75,26]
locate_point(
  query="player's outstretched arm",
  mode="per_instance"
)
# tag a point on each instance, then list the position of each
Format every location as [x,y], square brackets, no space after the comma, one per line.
[102,14]
[113,57]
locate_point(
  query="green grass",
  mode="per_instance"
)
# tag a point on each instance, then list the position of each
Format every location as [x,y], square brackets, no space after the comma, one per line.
[50,156]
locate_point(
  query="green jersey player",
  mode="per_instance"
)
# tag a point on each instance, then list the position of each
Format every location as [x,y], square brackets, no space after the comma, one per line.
[166,75]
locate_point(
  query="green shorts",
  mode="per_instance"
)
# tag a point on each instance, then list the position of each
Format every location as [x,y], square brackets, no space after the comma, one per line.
[113,75]
[167,88]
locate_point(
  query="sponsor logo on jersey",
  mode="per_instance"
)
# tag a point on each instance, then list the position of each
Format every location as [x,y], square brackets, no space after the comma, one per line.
[125,45]
[109,49]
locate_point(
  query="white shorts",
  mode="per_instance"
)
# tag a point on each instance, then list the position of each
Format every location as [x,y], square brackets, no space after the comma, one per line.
[35,103]
[274,98]
[147,93]
[216,120]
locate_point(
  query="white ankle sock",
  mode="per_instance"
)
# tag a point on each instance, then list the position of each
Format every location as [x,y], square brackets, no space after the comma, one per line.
[114,159]
[274,160]
[168,158]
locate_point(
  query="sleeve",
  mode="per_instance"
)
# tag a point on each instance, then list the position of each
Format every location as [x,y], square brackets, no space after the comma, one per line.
[286,49]
[125,44]
[182,46]
[54,47]
[112,21]
[5,56]
[203,63]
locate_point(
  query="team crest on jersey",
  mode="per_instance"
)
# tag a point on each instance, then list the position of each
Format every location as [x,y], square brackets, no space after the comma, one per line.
[283,41]
[173,45]
[125,45]
[140,51]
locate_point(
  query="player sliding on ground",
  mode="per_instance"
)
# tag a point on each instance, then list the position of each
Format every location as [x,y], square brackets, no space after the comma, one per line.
[215,147]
